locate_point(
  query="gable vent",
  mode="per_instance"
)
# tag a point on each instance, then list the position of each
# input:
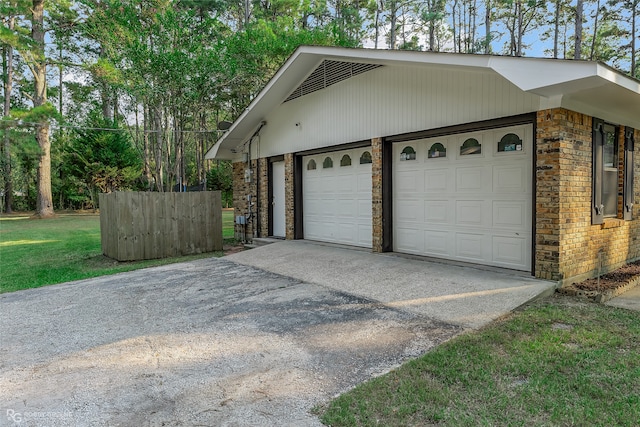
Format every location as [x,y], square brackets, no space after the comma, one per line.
[329,73]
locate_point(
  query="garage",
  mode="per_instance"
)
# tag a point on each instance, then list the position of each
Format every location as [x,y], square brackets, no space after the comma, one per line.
[336,194]
[466,197]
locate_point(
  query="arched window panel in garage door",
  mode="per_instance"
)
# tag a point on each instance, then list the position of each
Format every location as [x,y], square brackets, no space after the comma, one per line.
[511,142]
[365,158]
[437,150]
[311,165]
[471,146]
[408,153]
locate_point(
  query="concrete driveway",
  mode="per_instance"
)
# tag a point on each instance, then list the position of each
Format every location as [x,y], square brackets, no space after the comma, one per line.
[453,293]
[216,342]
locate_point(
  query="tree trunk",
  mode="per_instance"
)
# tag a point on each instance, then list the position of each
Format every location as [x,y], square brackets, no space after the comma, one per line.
[393,22]
[60,71]
[465,28]
[520,28]
[201,150]
[177,149]
[44,204]
[403,31]
[104,94]
[487,26]
[377,35]
[595,31]
[167,139]
[461,30]
[432,25]
[247,14]
[145,144]
[634,16]
[556,29]
[473,12]
[512,22]
[453,23]
[578,49]
[565,41]
[158,150]
[114,103]
[7,53]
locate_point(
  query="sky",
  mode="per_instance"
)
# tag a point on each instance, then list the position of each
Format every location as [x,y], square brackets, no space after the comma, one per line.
[535,46]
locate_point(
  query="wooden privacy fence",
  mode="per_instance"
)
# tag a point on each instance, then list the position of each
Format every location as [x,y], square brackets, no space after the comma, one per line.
[146,225]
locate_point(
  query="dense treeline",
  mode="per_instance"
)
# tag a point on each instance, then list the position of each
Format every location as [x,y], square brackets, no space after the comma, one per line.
[102,95]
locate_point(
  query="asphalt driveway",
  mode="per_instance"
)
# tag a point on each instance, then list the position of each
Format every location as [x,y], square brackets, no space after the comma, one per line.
[219,342]
[209,342]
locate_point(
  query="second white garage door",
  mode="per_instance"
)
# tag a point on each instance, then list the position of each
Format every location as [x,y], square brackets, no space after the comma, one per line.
[337,197]
[466,197]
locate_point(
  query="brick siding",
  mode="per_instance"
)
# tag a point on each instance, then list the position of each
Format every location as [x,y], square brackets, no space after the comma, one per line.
[376,195]
[289,196]
[263,182]
[568,248]
[240,204]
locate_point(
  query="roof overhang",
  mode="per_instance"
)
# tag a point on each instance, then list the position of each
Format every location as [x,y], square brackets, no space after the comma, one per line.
[587,87]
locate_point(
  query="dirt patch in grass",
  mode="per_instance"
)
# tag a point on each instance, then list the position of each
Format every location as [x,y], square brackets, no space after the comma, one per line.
[232,248]
[608,285]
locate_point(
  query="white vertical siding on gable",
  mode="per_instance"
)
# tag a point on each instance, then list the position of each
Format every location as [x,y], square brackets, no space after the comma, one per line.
[389,101]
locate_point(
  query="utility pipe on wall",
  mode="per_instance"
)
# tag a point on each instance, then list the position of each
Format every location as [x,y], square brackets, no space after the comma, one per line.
[250,214]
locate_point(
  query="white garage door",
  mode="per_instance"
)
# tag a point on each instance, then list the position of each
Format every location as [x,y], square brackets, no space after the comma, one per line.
[466,197]
[336,197]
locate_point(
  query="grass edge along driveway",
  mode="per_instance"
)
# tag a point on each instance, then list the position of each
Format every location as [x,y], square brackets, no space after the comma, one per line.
[557,361]
[39,252]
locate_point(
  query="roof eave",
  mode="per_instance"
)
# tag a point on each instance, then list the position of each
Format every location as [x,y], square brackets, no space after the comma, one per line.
[573,82]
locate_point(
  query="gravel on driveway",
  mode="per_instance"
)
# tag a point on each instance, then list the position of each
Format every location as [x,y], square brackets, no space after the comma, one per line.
[208,342]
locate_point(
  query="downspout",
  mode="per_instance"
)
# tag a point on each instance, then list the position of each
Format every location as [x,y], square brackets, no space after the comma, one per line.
[250,214]
[258,222]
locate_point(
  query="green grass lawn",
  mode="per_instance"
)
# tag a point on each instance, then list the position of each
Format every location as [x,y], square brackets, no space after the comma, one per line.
[227,224]
[559,361]
[35,253]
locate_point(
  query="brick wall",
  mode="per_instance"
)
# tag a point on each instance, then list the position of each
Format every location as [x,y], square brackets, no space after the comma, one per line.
[240,204]
[376,195]
[568,248]
[289,196]
[549,137]
[263,184]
